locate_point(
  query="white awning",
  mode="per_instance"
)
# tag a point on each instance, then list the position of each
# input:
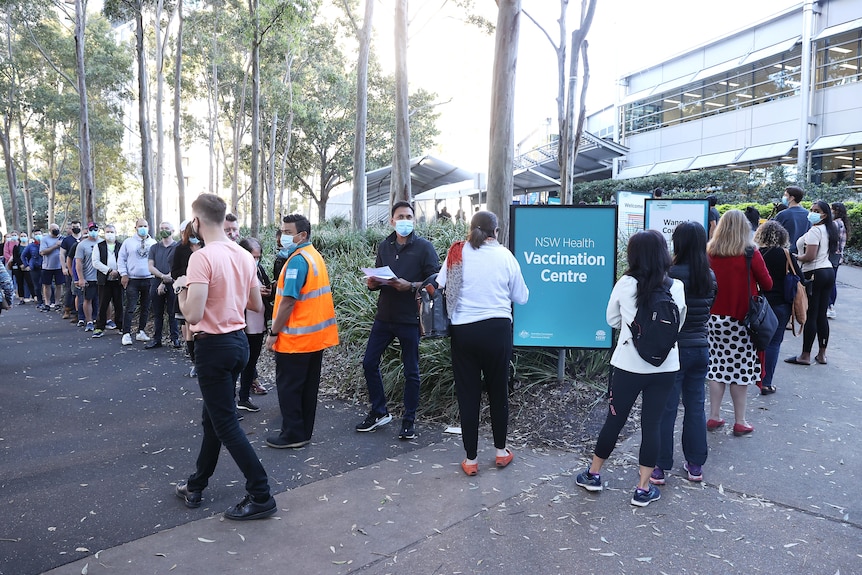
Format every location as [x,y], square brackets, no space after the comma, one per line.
[670,166]
[717,69]
[770,50]
[634,172]
[776,150]
[836,141]
[839,28]
[712,160]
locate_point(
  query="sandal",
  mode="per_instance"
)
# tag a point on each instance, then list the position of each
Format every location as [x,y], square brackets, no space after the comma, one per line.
[768,390]
[506,459]
[470,469]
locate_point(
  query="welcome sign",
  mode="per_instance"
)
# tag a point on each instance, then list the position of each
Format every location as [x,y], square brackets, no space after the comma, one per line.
[665,215]
[567,255]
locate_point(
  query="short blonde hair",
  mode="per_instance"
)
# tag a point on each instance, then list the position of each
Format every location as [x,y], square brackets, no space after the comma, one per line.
[732,236]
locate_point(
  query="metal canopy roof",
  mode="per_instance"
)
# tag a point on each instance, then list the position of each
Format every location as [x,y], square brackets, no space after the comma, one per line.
[426,173]
[537,170]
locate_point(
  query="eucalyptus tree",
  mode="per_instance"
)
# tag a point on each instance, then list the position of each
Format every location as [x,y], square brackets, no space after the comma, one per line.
[502,144]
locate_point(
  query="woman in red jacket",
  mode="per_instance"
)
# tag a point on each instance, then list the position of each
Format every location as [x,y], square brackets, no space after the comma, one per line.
[732,355]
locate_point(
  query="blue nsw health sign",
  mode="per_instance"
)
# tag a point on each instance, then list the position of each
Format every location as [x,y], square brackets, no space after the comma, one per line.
[567,255]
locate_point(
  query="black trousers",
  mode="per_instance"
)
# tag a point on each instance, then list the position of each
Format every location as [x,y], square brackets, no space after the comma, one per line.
[297,378]
[110,291]
[625,388]
[481,352]
[816,325]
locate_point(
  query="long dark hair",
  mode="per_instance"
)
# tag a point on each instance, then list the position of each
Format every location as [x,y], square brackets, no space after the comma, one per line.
[648,261]
[830,226]
[840,211]
[482,226]
[689,248]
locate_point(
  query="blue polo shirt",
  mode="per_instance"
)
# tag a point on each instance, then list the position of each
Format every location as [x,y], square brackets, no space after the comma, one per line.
[294,274]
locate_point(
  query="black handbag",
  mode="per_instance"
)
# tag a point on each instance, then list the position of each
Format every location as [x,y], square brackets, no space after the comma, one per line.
[760,321]
[433,318]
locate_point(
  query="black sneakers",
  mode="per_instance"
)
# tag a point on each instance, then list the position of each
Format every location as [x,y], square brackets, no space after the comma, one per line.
[247,406]
[408,431]
[192,499]
[642,498]
[373,421]
[248,509]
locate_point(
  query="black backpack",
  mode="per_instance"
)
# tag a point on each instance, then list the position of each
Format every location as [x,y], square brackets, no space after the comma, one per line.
[655,328]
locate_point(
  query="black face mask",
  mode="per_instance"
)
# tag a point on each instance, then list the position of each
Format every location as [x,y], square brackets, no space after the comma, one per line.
[55,233]
[76,230]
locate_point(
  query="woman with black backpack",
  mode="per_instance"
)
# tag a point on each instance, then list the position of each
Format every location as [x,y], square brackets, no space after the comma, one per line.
[633,374]
[691,267]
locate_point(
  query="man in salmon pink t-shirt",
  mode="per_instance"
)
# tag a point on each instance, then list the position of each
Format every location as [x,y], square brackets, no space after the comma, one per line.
[220,284]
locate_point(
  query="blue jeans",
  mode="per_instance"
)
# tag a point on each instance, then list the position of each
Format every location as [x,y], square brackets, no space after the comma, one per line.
[689,382]
[219,359]
[382,334]
[137,290]
[782,312]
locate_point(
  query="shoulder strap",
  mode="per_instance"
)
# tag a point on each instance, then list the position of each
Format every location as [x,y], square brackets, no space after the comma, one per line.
[789,266]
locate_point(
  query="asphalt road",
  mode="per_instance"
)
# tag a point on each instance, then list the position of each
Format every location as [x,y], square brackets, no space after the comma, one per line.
[94,436]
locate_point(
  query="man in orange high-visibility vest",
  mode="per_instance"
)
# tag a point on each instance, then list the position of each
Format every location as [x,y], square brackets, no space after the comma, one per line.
[303,325]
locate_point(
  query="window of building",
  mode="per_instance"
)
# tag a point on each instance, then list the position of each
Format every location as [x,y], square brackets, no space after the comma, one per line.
[839,166]
[761,81]
[838,60]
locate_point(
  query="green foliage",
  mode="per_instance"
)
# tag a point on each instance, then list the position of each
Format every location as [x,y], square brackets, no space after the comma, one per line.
[345,252]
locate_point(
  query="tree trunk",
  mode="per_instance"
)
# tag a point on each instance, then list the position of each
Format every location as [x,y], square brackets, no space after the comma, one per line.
[400,181]
[502,145]
[178,150]
[582,115]
[570,143]
[144,122]
[11,176]
[159,173]
[52,179]
[360,187]
[214,114]
[270,172]
[88,200]
[255,120]
[28,200]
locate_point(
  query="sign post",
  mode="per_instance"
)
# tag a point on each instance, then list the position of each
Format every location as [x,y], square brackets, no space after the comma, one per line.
[567,255]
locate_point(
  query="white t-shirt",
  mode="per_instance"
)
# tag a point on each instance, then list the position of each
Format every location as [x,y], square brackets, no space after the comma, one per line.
[816,236]
[492,280]
[621,311]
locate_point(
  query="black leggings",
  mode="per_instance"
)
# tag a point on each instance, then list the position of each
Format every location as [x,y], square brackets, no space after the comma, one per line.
[817,326]
[481,352]
[625,388]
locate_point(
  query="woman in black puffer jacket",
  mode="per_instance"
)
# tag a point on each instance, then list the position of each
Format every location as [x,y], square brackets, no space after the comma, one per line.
[691,266]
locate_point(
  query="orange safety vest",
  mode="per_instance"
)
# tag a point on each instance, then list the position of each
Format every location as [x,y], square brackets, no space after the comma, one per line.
[311,325]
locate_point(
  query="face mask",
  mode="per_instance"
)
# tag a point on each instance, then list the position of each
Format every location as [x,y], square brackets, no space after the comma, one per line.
[38,237]
[143,231]
[76,230]
[110,237]
[814,218]
[55,233]
[13,239]
[285,252]
[404,228]
[23,239]
[785,200]
[194,241]
[162,234]
[93,234]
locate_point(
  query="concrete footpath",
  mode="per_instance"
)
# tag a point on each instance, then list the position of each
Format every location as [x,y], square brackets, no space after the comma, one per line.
[785,499]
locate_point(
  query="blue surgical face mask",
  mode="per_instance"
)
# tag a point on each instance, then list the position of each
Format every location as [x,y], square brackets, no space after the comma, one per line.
[93,234]
[814,218]
[287,250]
[37,236]
[785,200]
[404,228]
[194,240]
[13,239]
[143,231]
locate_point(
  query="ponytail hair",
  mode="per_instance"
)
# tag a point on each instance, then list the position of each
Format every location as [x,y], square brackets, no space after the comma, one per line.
[483,225]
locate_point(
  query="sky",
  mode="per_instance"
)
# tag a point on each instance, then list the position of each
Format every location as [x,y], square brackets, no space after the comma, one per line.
[455,59]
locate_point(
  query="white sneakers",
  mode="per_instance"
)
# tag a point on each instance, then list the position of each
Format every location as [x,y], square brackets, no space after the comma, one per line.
[830,312]
[142,336]
[127,339]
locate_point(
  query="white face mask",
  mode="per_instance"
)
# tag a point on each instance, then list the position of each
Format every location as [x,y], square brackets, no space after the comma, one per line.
[110,237]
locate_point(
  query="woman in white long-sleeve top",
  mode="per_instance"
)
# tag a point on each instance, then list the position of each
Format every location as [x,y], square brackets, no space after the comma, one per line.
[482,280]
[649,262]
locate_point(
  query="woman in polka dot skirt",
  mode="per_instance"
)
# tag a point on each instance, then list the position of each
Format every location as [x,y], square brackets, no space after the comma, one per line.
[732,356]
